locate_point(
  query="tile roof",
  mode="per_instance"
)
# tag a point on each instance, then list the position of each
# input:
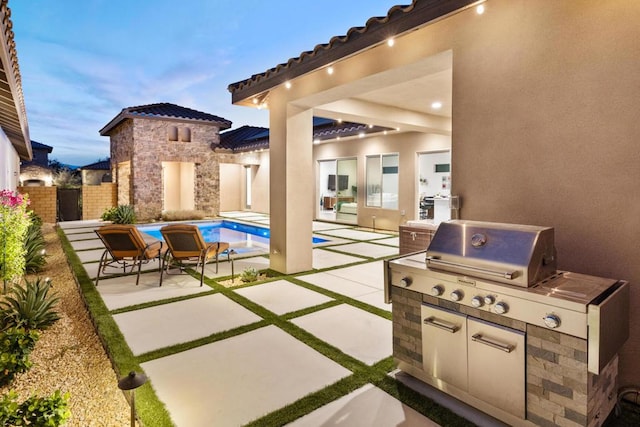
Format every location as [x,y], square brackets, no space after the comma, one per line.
[164,110]
[245,138]
[398,20]
[250,138]
[101,165]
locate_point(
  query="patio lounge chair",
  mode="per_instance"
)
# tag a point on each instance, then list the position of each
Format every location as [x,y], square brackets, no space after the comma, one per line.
[185,245]
[125,246]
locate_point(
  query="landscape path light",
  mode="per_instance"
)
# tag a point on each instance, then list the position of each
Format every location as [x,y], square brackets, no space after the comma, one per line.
[132,382]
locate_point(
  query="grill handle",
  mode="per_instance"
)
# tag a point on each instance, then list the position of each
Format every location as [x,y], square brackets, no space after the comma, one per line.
[436,262]
[507,348]
[441,324]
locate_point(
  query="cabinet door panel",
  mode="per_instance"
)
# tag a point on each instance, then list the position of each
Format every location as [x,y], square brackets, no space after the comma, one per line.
[444,345]
[496,365]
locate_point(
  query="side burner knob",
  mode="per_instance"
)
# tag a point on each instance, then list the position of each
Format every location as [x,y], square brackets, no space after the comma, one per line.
[456,295]
[405,282]
[437,290]
[489,299]
[552,321]
[501,308]
[477,301]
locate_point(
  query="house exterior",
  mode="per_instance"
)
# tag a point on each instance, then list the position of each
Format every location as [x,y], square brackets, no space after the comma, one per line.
[96,173]
[543,102]
[15,144]
[163,159]
[37,171]
[244,161]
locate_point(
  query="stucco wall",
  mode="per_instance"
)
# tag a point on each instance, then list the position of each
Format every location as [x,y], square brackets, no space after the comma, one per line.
[230,188]
[545,131]
[9,164]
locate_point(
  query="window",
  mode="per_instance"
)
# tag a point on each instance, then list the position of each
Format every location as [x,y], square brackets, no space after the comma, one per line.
[382,181]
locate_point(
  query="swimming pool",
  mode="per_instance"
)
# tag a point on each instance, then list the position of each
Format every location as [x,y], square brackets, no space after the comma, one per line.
[241,237]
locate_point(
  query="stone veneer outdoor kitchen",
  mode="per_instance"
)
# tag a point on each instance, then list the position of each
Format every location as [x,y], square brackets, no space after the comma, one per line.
[560,390]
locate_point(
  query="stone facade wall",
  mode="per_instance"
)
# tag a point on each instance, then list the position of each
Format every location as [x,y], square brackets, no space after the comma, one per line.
[146,143]
[560,390]
[43,201]
[407,326]
[122,152]
[97,198]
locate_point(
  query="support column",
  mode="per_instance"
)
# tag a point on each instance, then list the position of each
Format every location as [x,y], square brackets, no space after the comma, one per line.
[291,187]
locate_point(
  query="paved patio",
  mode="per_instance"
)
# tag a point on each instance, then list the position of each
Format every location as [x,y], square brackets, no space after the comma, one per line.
[235,380]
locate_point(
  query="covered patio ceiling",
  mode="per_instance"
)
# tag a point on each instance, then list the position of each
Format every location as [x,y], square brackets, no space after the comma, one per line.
[401,98]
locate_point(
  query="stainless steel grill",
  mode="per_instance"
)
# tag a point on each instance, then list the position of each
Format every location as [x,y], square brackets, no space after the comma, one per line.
[481,285]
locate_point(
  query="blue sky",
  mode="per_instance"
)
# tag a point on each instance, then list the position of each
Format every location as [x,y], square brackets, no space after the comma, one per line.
[82,61]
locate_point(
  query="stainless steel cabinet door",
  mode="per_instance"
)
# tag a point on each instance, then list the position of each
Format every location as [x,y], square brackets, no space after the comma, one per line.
[497,365]
[444,345]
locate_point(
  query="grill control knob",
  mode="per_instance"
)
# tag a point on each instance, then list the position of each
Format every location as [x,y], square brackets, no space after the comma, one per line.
[501,308]
[405,282]
[456,295]
[489,299]
[552,321]
[477,301]
[437,290]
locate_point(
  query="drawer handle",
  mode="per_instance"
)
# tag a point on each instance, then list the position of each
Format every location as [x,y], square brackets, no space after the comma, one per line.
[441,324]
[508,348]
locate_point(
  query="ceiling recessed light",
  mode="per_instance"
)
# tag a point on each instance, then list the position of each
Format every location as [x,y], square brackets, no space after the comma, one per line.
[361,135]
[316,141]
[436,105]
[255,100]
[287,85]
[391,42]
[370,126]
[339,120]
[480,9]
[330,70]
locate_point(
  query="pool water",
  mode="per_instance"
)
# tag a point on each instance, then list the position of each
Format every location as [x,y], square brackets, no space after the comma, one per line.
[241,237]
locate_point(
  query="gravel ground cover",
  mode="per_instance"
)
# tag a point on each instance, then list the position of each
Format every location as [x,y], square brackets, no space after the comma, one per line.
[69,356]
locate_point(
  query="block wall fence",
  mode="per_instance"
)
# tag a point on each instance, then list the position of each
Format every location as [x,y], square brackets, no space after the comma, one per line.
[43,201]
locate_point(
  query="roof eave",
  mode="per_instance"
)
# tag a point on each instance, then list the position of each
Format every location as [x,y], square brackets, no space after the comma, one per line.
[122,116]
[15,126]
[399,19]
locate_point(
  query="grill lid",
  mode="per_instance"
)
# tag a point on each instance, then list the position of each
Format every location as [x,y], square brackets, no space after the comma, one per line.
[520,255]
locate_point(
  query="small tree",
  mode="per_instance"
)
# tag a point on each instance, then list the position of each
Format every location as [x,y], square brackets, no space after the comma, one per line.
[14,222]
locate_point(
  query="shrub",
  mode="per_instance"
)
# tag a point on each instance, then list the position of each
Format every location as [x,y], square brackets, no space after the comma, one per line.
[34,244]
[31,306]
[182,215]
[249,274]
[123,214]
[15,346]
[13,226]
[50,411]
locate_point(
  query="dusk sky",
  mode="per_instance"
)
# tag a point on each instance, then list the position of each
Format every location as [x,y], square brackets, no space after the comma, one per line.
[82,61]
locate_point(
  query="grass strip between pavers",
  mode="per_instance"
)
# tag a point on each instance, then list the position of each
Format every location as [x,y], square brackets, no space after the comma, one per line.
[149,408]
[153,413]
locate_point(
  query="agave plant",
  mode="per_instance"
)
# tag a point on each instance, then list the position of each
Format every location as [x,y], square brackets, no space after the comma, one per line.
[123,214]
[30,307]
[34,243]
[249,274]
